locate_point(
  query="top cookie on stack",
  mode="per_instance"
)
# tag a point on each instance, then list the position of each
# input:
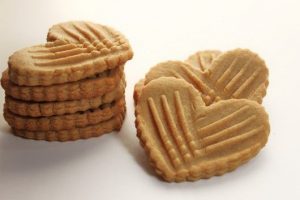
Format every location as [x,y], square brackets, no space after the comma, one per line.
[72,87]
[74,51]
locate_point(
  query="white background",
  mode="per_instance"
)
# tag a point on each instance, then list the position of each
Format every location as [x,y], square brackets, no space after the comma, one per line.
[114,166]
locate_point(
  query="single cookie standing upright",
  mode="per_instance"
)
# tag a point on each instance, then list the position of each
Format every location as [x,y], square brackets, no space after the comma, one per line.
[201,60]
[75,50]
[187,140]
[238,74]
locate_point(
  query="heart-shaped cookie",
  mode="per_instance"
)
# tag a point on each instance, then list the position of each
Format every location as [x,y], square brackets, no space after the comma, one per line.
[74,51]
[187,140]
[237,74]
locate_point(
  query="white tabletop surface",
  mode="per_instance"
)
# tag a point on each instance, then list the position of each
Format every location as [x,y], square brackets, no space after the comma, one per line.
[114,166]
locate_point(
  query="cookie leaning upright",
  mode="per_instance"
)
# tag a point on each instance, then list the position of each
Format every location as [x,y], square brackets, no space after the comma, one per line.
[187,140]
[71,87]
[202,117]
[238,74]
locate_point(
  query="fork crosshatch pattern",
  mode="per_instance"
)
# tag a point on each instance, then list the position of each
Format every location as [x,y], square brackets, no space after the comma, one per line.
[187,140]
[71,87]
[74,51]
[238,74]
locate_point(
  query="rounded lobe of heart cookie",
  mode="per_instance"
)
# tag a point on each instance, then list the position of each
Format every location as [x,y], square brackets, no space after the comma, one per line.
[237,120]
[167,86]
[175,69]
[186,72]
[186,140]
[238,74]
[203,59]
[75,50]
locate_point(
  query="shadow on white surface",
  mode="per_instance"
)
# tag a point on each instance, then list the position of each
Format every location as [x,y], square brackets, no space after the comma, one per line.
[128,139]
[18,155]
[242,177]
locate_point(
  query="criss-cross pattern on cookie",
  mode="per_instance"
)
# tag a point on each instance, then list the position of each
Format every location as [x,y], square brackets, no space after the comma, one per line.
[187,140]
[74,51]
[77,41]
[238,74]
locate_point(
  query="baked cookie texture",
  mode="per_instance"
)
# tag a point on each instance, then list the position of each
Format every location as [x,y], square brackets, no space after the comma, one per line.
[202,117]
[113,124]
[203,59]
[72,87]
[74,51]
[187,140]
[51,108]
[90,87]
[66,121]
[237,74]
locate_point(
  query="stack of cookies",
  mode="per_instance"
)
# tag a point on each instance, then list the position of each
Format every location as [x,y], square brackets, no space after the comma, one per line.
[70,88]
[202,117]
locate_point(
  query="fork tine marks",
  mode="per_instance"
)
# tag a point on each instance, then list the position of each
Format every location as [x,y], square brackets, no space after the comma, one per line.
[181,144]
[228,71]
[65,47]
[171,152]
[201,86]
[55,43]
[206,130]
[177,75]
[84,33]
[227,132]
[235,79]
[72,34]
[183,124]
[65,60]
[100,36]
[239,92]
[62,54]
[218,68]
[50,47]
[229,143]
[199,60]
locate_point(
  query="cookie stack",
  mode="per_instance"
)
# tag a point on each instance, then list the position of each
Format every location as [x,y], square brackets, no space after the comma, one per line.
[70,88]
[202,117]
